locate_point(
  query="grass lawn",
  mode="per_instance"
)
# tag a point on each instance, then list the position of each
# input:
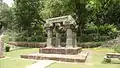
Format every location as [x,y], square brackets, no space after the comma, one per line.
[95,61]
[14,60]
[17,53]
[14,63]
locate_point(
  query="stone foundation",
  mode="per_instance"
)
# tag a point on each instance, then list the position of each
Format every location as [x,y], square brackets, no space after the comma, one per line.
[81,57]
[66,51]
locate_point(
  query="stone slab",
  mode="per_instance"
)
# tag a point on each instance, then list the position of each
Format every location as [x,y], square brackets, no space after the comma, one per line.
[62,50]
[113,55]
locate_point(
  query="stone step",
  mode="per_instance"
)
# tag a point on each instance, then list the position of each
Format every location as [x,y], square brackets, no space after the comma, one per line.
[60,50]
[81,57]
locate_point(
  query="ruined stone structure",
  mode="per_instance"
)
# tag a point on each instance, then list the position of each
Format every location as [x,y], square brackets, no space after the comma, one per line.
[54,51]
[61,24]
[56,26]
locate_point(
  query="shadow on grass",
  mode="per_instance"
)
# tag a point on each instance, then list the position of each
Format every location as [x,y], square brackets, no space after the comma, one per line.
[116,62]
[112,62]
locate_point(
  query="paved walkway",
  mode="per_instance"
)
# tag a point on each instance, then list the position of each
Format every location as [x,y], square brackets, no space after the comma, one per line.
[41,64]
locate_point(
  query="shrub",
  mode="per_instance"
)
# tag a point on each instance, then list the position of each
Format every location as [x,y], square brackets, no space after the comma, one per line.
[97,33]
[90,44]
[7,48]
[28,44]
[117,48]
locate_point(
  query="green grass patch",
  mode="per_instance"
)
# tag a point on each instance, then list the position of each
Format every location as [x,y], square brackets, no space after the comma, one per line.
[65,65]
[14,60]
[17,53]
[99,49]
[14,63]
[95,60]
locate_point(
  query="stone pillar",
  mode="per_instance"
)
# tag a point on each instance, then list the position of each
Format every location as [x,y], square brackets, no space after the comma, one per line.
[1,48]
[69,39]
[75,35]
[49,37]
[58,39]
[74,39]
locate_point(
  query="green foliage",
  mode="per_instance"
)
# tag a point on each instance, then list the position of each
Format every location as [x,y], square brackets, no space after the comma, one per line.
[104,32]
[90,44]
[106,11]
[55,8]
[107,29]
[29,20]
[5,16]
[76,8]
[9,35]
[117,48]
[97,20]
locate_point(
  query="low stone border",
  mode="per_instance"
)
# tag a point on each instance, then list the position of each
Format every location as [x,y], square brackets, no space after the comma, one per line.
[28,44]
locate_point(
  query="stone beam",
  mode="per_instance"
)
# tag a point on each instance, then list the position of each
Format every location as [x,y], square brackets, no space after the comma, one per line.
[59,19]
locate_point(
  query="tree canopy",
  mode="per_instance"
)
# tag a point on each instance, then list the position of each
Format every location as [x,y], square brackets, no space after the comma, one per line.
[94,18]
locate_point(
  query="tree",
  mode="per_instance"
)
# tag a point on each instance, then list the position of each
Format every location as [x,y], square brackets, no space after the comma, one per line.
[28,19]
[106,11]
[81,13]
[55,8]
[6,16]
[76,8]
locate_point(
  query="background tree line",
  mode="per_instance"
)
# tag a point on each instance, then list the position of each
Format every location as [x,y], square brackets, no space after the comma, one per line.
[97,20]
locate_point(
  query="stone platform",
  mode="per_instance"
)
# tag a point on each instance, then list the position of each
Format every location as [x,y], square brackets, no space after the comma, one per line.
[81,57]
[62,50]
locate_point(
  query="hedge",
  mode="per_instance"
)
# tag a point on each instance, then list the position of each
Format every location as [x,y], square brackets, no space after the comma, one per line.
[28,44]
[90,44]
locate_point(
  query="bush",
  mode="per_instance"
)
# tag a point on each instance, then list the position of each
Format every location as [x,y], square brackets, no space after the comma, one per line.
[97,33]
[28,44]
[7,48]
[90,44]
[117,48]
